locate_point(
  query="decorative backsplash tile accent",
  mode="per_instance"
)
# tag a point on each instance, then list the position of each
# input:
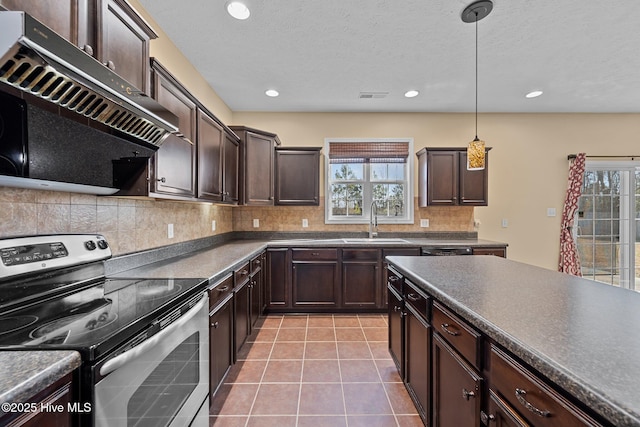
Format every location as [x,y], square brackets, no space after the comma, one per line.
[132,225]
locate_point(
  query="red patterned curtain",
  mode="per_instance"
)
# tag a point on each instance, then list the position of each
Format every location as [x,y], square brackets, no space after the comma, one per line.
[569,259]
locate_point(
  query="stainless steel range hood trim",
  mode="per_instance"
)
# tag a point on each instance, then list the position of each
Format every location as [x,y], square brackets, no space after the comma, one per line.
[42,184]
[26,60]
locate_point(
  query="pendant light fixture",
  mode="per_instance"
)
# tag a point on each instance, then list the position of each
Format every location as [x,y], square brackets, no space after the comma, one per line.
[476,148]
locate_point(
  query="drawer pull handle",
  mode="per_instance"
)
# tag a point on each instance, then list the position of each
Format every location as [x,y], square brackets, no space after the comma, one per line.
[244,272]
[223,289]
[215,325]
[397,308]
[445,327]
[315,253]
[520,395]
[393,278]
[413,297]
[466,394]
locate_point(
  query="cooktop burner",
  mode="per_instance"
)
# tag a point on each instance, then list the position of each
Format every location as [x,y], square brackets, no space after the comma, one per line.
[14,323]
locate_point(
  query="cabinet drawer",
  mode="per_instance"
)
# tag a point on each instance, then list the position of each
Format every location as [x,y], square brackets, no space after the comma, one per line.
[394,279]
[242,274]
[530,396]
[456,331]
[314,254]
[220,290]
[416,299]
[256,263]
[360,255]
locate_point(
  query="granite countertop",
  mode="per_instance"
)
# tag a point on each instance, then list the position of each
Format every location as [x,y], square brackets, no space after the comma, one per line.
[26,373]
[580,334]
[214,263]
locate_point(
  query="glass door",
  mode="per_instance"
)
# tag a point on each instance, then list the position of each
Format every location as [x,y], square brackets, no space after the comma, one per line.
[608,215]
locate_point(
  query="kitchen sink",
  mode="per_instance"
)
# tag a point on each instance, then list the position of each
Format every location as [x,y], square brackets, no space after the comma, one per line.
[375,240]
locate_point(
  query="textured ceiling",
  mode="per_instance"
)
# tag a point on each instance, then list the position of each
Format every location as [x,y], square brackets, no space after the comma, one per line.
[320,54]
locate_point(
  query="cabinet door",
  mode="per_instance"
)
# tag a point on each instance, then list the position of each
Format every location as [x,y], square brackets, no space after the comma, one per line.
[297,177]
[241,311]
[174,162]
[442,178]
[360,278]
[501,414]
[418,361]
[123,42]
[220,345]
[396,329]
[473,184]
[456,388]
[254,298]
[278,279]
[315,284]
[210,149]
[230,169]
[61,16]
[259,173]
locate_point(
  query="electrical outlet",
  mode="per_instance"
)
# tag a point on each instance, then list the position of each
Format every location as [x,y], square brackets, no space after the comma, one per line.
[505,223]
[213,225]
[551,211]
[424,223]
[170,231]
[305,223]
[256,223]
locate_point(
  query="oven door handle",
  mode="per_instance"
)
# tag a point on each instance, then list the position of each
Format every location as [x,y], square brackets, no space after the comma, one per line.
[147,345]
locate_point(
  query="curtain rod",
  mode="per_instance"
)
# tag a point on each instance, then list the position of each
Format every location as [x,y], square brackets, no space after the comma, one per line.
[632,157]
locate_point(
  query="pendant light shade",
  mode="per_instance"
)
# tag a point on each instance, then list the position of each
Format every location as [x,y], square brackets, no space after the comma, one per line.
[476,148]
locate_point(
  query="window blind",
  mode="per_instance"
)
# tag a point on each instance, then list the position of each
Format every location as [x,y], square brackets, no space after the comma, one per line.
[368,152]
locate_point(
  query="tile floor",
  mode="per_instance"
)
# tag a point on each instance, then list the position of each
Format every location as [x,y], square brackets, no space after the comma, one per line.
[315,370]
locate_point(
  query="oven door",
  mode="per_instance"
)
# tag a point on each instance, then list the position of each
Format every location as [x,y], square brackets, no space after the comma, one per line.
[162,381]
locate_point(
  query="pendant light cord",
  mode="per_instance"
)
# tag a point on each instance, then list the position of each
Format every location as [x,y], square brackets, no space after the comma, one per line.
[476,139]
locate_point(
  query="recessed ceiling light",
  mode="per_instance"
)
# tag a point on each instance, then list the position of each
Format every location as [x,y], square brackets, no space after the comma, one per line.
[272,93]
[411,93]
[238,10]
[534,94]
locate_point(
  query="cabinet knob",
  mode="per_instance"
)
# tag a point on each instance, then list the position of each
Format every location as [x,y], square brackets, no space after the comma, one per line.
[486,419]
[88,49]
[215,325]
[110,65]
[162,180]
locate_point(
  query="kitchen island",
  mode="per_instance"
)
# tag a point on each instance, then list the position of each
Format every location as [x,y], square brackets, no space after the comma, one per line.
[577,337]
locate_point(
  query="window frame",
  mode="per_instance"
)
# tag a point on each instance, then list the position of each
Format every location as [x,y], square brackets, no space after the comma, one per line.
[367,193]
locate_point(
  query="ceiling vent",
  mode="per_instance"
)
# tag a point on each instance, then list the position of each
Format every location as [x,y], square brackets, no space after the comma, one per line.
[373,95]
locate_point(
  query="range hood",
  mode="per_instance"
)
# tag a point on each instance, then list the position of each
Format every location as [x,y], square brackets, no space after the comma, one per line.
[35,59]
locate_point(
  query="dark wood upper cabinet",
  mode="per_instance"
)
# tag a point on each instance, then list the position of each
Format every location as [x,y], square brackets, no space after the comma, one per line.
[297,176]
[123,40]
[443,179]
[173,170]
[210,150]
[257,174]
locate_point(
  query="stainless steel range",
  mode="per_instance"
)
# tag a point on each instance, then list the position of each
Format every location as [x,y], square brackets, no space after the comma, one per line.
[144,342]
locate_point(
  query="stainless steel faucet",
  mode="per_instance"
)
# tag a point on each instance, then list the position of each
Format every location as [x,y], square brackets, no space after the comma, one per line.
[373,220]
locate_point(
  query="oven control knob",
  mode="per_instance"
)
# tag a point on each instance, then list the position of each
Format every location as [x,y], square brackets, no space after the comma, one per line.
[90,245]
[102,244]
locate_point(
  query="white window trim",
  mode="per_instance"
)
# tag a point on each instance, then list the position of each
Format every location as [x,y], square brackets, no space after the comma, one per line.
[367,197]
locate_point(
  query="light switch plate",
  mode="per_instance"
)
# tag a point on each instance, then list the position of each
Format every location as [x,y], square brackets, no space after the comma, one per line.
[424,223]
[256,223]
[505,223]
[213,225]
[305,223]
[170,231]
[551,211]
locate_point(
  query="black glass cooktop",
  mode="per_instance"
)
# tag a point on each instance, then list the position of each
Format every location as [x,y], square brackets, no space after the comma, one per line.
[95,319]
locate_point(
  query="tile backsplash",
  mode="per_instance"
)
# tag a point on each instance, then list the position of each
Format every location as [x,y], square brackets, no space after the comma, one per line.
[132,225]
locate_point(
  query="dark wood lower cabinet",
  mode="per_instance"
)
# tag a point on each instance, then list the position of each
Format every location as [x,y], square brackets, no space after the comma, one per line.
[315,284]
[360,284]
[220,344]
[395,329]
[278,290]
[501,414]
[241,310]
[417,374]
[457,388]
